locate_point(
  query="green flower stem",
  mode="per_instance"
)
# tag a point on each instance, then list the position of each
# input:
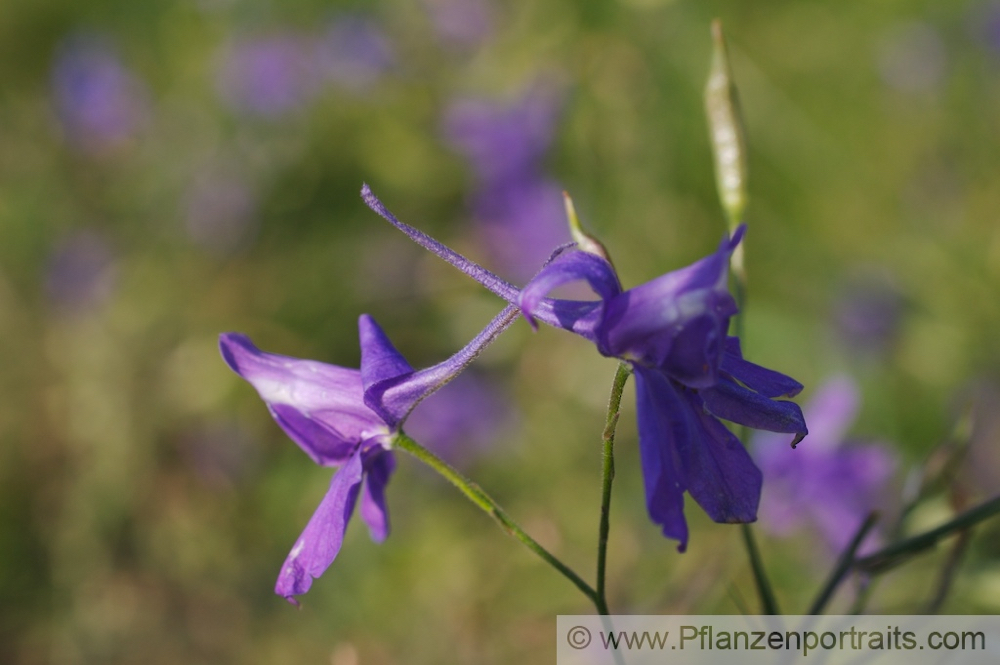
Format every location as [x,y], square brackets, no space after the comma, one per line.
[897,553]
[477,496]
[843,566]
[607,478]
[768,601]
[948,572]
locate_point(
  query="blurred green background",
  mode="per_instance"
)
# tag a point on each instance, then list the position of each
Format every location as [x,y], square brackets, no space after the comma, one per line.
[173,170]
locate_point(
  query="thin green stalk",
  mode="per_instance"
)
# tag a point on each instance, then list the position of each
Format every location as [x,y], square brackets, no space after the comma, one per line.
[768,602]
[844,564]
[475,494]
[949,571]
[607,478]
[897,553]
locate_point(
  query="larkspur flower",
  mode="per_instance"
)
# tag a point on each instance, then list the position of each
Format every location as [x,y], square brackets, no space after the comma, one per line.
[267,76]
[345,418]
[689,374]
[354,53]
[100,103]
[518,210]
[82,272]
[832,483]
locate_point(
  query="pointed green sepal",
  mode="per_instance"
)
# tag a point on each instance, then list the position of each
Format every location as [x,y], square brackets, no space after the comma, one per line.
[583,240]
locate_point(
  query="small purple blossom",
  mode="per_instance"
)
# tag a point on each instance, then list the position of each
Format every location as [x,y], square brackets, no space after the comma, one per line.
[220,452]
[519,212]
[345,418]
[868,315]
[689,374]
[984,24]
[831,483]
[100,104]
[81,273]
[219,210]
[267,76]
[502,141]
[354,53]
[461,23]
[464,419]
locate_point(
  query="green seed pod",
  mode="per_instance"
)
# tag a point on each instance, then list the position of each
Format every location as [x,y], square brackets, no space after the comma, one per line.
[725,125]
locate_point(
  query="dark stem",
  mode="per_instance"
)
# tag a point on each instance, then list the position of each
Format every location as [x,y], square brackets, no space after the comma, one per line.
[948,571]
[768,602]
[607,478]
[895,554]
[844,564]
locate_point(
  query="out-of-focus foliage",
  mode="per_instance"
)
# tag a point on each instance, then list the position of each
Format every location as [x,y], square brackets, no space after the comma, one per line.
[173,170]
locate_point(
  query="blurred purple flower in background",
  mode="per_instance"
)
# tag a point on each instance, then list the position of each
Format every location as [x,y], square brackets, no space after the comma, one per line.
[81,273]
[984,24]
[462,23]
[220,210]
[354,53]
[829,483]
[868,315]
[464,419]
[100,104]
[269,75]
[221,452]
[912,58]
[502,142]
[519,211]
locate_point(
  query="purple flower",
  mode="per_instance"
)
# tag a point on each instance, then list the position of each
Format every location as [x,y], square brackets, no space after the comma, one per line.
[464,419]
[689,374]
[502,141]
[984,23]
[868,316]
[520,222]
[81,272]
[219,210]
[345,418]
[267,76]
[463,23]
[519,211]
[100,104]
[354,52]
[829,483]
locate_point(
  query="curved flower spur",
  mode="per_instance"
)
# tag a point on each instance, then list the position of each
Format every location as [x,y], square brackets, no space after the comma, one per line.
[345,418]
[689,374]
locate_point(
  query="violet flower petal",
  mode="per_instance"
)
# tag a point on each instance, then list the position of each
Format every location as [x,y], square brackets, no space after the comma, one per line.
[832,410]
[379,465]
[319,406]
[662,479]
[320,542]
[379,358]
[719,472]
[733,402]
[645,322]
[567,268]
[765,381]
